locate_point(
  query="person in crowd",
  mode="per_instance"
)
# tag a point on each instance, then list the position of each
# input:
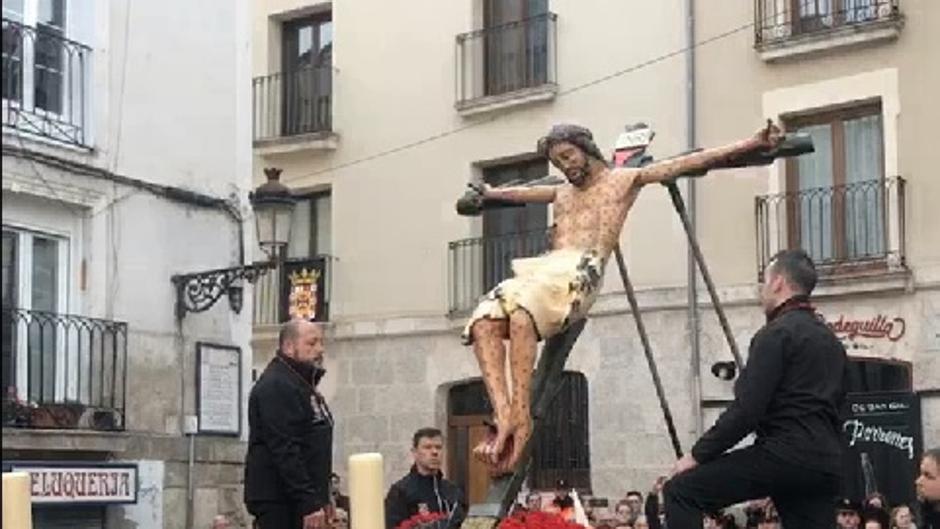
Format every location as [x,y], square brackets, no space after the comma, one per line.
[848,514]
[533,502]
[875,519]
[928,489]
[290,436]
[635,499]
[424,488]
[339,499]
[876,501]
[902,518]
[563,503]
[623,512]
[789,395]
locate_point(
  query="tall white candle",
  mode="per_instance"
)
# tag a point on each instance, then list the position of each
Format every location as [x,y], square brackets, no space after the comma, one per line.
[366,491]
[17,502]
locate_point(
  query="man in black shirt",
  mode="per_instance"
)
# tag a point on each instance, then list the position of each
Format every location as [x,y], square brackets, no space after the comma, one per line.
[424,490]
[290,436]
[789,395]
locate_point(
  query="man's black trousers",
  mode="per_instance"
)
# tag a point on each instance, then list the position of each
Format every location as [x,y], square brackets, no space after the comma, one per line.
[805,498]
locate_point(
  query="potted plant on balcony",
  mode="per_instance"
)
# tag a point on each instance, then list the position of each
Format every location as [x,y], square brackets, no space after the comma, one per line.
[15,411]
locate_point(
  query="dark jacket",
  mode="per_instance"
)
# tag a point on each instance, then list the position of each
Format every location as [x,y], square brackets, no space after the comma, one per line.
[789,394]
[290,440]
[930,516]
[405,497]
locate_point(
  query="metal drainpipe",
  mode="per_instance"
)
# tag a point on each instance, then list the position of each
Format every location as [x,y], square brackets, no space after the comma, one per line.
[694,334]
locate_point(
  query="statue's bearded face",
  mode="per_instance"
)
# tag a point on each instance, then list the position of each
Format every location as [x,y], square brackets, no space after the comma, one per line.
[571,160]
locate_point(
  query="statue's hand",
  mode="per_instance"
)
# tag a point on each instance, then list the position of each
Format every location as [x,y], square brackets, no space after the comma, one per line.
[484,189]
[769,137]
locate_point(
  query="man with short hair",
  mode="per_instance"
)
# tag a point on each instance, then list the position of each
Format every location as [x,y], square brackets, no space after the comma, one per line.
[339,499]
[533,502]
[424,489]
[290,436]
[789,395]
[635,499]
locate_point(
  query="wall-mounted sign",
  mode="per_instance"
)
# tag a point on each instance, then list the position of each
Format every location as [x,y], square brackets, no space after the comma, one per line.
[878,327]
[883,444]
[219,388]
[86,483]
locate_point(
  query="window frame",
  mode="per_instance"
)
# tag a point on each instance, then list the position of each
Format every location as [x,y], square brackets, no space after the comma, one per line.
[28,66]
[835,118]
[23,290]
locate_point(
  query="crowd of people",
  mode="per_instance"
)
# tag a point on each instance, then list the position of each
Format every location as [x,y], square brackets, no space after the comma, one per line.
[636,510]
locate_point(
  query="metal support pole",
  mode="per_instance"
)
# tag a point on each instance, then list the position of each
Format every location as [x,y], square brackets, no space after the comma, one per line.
[647,350]
[677,201]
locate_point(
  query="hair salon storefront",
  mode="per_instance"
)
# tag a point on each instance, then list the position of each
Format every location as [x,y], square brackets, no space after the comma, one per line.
[76,495]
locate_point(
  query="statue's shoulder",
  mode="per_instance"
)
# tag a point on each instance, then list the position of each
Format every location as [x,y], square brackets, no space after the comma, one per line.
[623,178]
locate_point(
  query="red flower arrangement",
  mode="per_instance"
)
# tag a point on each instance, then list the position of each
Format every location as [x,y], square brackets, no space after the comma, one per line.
[537,520]
[431,520]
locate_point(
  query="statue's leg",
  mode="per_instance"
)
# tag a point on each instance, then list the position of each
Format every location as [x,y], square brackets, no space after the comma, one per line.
[523,343]
[488,336]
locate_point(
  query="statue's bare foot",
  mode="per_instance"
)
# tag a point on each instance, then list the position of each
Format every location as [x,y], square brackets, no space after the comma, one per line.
[522,431]
[496,446]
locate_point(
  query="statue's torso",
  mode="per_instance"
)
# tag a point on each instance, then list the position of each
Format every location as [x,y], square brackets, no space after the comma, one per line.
[592,218]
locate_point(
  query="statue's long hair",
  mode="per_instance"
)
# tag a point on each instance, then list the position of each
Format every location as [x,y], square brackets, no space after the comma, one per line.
[573,134]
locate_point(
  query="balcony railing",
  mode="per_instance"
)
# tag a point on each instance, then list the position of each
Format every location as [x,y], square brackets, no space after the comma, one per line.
[63,371]
[476,265]
[292,103]
[296,287]
[507,58]
[782,20]
[851,227]
[44,78]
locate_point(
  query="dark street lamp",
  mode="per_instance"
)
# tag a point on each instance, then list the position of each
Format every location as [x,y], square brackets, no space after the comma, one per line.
[273,205]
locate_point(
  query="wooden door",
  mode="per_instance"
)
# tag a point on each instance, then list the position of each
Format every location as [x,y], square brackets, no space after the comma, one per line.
[466,432]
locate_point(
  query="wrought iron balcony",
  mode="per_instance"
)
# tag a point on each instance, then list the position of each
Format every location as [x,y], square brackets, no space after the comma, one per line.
[505,59]
[853,227]
[292,103]
[63,371]
[783,20]
[44,82]
[478,264]
[298,287]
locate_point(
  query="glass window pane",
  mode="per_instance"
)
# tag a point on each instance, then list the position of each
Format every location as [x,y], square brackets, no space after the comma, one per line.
[810,8]
[45,274]
[326,34]
[42,333]
[323,225]
[7,328]
[49,56]
[864,200]
[13,9]
[12,60]
[299,245]
[10,267]
[815,197]
[304,46]
[51,13]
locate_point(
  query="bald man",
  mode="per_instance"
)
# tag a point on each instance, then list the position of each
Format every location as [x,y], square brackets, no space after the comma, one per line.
[290,440]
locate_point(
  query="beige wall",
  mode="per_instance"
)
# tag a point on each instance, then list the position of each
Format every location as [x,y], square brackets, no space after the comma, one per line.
[394,84]
[735,88]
